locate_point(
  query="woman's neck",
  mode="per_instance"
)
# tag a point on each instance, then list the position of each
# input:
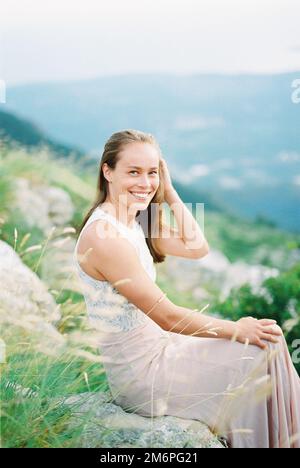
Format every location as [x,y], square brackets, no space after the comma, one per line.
[120,211]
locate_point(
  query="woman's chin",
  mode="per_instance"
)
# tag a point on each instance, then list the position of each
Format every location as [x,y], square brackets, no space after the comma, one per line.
[140,205]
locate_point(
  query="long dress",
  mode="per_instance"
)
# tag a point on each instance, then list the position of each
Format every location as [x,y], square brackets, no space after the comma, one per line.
[249,396]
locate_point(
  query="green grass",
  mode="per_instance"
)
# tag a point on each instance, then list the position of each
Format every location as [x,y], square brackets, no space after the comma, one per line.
[36,378]
[254,243]
[280,301]
[39,418]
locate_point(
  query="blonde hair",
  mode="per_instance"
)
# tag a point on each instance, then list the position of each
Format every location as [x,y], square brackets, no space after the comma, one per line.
[150,219]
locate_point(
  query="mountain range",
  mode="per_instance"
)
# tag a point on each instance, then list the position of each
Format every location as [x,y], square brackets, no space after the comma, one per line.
[233,137]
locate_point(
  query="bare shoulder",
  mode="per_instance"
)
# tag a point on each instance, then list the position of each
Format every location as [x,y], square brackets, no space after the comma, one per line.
[116,258]
[100,236]
[98,229]
[94,240]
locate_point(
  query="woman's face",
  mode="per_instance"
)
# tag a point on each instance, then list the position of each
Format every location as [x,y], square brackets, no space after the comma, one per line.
[135,178]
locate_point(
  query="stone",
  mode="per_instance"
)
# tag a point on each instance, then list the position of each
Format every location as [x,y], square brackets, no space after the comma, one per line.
[41,205]
[215,275]
[22,293]
[104,424]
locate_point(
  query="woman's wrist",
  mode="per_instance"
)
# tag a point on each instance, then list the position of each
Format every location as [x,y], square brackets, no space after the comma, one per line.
[170,195]
[230,329]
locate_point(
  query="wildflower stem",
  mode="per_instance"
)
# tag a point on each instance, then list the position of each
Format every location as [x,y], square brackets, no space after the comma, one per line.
[44,248]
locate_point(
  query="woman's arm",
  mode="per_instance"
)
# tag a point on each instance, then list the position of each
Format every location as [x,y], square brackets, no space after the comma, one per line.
[117,260]
[245,330]
[189,322]
[188,229]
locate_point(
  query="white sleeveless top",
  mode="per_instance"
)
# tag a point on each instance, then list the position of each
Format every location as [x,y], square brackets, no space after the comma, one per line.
[107,309]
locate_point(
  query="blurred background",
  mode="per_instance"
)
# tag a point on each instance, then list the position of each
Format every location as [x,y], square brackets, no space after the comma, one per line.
[217,83]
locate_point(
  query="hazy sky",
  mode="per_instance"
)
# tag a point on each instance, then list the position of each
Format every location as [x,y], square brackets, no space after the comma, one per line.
[69,39]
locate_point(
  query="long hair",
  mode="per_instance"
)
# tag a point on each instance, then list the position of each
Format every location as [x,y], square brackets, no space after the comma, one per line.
[150,219]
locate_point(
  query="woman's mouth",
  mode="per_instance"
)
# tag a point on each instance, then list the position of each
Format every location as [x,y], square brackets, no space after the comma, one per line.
[140,195]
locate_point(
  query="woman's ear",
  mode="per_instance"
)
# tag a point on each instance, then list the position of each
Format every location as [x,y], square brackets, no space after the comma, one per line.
[106,172]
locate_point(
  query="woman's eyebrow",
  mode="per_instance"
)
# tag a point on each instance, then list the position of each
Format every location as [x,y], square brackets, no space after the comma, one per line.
[137,167]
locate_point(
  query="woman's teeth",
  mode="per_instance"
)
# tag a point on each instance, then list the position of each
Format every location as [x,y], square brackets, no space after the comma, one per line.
[140,196]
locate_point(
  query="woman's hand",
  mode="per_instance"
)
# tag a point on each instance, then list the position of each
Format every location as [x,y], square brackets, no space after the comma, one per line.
[249,328]
[166,178]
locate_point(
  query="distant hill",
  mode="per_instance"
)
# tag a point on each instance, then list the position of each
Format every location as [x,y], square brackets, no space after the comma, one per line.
[14,129]
[196,117]
[234,137]
[193,196]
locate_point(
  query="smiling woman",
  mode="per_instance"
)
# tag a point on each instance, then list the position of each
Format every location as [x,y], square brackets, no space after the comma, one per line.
[160,358]
[131,181]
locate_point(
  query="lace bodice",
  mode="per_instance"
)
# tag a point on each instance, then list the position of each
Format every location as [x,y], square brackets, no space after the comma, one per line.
[107,309]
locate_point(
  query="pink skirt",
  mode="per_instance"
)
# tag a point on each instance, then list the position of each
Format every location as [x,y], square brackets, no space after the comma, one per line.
[248,395]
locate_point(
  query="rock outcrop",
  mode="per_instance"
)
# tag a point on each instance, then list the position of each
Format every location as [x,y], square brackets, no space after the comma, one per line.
[22,293]
[43,206]
[105,424]
[214,273]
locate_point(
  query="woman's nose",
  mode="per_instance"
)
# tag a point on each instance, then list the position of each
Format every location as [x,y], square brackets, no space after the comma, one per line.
[144,181]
